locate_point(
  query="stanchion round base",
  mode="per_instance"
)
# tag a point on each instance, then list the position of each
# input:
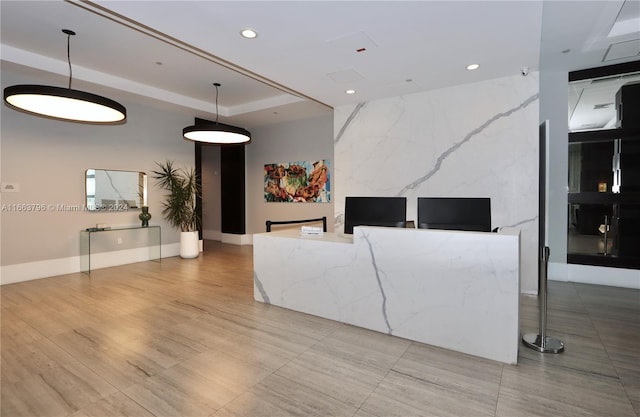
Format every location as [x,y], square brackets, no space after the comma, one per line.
[550,345]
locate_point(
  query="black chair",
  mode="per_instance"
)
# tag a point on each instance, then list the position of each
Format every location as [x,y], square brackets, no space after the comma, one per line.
[323,219]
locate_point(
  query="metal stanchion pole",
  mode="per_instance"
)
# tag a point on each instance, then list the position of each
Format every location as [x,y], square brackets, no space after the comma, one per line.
[541,342]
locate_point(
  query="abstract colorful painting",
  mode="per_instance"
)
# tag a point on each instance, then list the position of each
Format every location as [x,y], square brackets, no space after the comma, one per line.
[298,182]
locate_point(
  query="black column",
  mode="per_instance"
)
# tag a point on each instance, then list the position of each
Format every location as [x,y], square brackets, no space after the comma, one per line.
[232,179]
[198,155]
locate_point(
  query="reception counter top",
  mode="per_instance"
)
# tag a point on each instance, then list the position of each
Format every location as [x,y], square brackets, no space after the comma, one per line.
[457,290]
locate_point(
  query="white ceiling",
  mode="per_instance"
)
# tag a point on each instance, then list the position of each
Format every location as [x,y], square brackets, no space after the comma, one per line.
[306,54]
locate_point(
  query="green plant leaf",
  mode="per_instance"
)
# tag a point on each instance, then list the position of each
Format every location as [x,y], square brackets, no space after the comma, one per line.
[183,190]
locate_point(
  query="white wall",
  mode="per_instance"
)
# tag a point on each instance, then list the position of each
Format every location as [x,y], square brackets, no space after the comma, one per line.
[301,140]
[554,97]
[48,160]
[473,140]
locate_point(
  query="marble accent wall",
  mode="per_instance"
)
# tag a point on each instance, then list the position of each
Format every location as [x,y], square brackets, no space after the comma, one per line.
[472,140]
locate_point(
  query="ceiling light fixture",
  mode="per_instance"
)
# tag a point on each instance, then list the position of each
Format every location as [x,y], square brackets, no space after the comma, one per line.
[64,103]
[249,33]
[217,133]
[472,67]
[350,91]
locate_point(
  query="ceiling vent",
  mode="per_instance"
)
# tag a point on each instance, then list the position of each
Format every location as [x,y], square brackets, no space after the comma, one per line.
[345,76]
[602,106]
[353,42]
[622,50]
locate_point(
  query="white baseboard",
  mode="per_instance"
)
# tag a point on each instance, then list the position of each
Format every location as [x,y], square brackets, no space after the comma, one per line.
[236,239]
[558,271]
[172,249]
[39,269]
[10,274]
[230,238]
[212,235]
[598,275]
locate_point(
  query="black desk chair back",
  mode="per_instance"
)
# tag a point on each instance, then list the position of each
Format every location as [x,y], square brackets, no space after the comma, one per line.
[323,219]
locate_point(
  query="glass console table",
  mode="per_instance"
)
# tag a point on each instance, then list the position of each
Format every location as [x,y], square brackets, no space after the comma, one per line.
[93,239]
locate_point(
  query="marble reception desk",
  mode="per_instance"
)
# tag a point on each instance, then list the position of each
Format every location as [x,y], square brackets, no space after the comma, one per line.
[457,290]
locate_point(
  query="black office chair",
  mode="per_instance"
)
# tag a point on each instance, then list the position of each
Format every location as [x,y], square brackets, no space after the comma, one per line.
[323,219]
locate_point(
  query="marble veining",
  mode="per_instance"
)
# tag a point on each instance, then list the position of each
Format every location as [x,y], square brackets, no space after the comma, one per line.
[521,222]
[346,124]
[475,132]
[365,236]
[258,285]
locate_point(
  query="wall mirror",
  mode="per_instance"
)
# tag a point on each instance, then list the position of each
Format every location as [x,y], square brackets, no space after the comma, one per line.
[108,190]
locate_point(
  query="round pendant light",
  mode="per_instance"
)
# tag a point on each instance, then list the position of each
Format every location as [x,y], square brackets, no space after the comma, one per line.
[64,104]
[216,133]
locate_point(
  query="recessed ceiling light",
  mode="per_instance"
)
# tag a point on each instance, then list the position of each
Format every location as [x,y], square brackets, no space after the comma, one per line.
[350,91]
[249,33]
[472,67]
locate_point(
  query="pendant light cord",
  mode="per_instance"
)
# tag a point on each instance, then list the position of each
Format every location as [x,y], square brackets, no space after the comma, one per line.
[69,59]
[217,85]
[69,33]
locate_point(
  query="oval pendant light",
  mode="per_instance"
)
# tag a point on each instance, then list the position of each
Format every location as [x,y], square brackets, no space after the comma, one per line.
[64,104]
[216,133]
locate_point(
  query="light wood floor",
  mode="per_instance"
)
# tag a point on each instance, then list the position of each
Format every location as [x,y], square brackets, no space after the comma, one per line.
[185,338]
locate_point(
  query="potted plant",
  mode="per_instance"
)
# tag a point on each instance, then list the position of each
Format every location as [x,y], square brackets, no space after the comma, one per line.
[179,209]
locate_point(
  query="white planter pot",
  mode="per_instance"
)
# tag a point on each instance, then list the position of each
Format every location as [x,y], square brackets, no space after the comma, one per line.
[189,245]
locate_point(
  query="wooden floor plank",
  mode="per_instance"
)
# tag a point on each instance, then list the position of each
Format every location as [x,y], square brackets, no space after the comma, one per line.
[184,337]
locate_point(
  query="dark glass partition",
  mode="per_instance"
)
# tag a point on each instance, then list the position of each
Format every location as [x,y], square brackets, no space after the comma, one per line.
[604,166]
[604,198]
